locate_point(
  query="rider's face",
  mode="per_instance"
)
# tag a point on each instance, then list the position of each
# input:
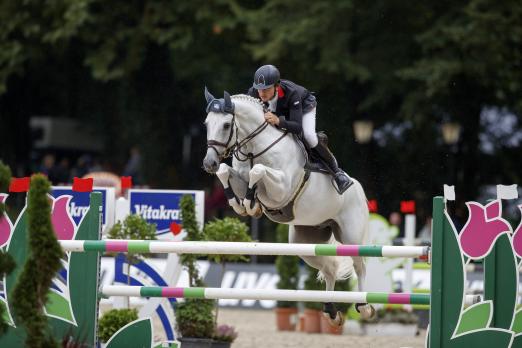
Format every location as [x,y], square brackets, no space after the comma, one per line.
[266,94]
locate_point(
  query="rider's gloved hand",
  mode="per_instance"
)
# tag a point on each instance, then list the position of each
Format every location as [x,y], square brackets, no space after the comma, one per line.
[272,118]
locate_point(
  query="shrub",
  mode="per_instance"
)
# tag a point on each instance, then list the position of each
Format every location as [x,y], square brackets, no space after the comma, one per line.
[287,267]
[194,318]
[114,320]
[31,290]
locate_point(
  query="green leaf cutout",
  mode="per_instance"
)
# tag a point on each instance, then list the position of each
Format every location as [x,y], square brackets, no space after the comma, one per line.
[135,334]
[59,307]
[517,323]
[475,317]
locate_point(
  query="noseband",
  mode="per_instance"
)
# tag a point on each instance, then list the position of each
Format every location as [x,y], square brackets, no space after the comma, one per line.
[228,150]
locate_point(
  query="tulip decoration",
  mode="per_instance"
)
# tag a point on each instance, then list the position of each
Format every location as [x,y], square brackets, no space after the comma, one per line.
[484,226]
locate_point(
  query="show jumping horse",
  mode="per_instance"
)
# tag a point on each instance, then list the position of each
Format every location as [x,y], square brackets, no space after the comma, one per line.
[268,176]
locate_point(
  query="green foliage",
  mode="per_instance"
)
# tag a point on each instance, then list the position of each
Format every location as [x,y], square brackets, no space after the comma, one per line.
[32,287]
[133,227]
[114,320]
[227,230]
[311,283]
[5,179]
[287,267]
[190,225]
[194,318]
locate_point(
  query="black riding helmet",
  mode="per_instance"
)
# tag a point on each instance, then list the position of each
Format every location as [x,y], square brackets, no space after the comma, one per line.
[265,77]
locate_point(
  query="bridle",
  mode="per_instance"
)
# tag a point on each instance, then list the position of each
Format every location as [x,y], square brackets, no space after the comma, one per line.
[236,148]
[228,150]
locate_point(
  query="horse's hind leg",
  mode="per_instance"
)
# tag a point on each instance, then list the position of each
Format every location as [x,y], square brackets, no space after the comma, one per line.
[327,265]
[353,225]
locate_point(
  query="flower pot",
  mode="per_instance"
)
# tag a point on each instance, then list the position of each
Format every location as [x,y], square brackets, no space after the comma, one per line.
[312,320]
[221,344]
[286,318]
[190,342]
[330,329]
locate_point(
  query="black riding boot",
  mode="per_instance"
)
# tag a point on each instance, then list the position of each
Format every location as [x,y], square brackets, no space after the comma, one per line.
[342,180]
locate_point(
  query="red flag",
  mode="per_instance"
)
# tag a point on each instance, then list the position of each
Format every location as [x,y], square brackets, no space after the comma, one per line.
[408,207]
[126,182]
[19,184]
[372,205]
[82,185]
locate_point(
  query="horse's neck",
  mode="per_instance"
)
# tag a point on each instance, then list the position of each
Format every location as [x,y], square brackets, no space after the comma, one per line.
[249,118]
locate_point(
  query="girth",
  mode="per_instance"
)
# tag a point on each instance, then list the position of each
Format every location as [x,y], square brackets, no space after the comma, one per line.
[286,213]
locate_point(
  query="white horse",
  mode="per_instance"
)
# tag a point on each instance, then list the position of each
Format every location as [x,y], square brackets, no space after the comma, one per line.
[268,175]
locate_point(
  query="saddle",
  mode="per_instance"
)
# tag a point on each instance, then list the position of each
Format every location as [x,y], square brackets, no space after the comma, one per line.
[313,161]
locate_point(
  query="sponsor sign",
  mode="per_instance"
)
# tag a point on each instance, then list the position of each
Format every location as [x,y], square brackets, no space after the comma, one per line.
[161,207]
[80,203]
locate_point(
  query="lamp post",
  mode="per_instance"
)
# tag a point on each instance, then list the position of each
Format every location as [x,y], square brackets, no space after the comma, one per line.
[363,132]
[451,136]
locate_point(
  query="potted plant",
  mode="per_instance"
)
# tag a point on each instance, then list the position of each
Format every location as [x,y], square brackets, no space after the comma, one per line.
[113,320]
[224,335]
[194,317]
[225,230]
[390,321]
[288,269]
[313,310]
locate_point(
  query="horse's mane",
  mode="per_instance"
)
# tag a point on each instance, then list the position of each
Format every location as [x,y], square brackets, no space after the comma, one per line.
[247,98]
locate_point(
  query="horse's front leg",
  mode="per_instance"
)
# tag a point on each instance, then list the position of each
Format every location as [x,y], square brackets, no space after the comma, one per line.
[232,183]
[273,181]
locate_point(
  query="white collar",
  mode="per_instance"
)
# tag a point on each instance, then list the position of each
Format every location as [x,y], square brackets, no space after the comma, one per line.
[272,103]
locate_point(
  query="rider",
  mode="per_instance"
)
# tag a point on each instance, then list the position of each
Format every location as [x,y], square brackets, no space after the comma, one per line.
[292,107]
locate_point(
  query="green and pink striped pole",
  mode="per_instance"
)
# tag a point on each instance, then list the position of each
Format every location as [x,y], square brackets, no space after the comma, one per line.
[276,295]
[266,294]
[238,248]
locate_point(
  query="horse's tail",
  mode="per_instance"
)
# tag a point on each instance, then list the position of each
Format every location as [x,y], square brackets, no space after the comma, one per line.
[344,265]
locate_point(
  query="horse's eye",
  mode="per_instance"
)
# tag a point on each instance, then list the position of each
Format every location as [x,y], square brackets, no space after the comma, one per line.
[226,126]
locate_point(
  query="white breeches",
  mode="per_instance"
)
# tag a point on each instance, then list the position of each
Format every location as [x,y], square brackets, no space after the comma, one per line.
[309,128]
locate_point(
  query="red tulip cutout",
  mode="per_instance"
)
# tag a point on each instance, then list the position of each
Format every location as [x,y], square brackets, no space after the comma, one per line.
[62,222]
[482,229]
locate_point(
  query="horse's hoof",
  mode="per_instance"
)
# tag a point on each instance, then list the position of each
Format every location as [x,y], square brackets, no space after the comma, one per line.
[337,322]
[259,212]
[238,208]
[254,210]
[367,311]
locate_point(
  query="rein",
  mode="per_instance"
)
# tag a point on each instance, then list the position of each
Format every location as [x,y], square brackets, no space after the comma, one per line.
[235,149]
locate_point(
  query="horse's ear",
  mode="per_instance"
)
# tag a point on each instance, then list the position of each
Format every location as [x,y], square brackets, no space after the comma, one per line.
[209,97]
[229,106]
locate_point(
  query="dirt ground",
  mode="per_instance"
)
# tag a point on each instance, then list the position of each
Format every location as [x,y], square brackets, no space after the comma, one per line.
[257,328]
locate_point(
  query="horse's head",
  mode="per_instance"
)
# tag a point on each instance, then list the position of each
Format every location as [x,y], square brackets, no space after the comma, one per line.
[220,130]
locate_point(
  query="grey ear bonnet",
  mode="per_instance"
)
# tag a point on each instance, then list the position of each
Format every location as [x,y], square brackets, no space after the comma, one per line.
[223,105]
